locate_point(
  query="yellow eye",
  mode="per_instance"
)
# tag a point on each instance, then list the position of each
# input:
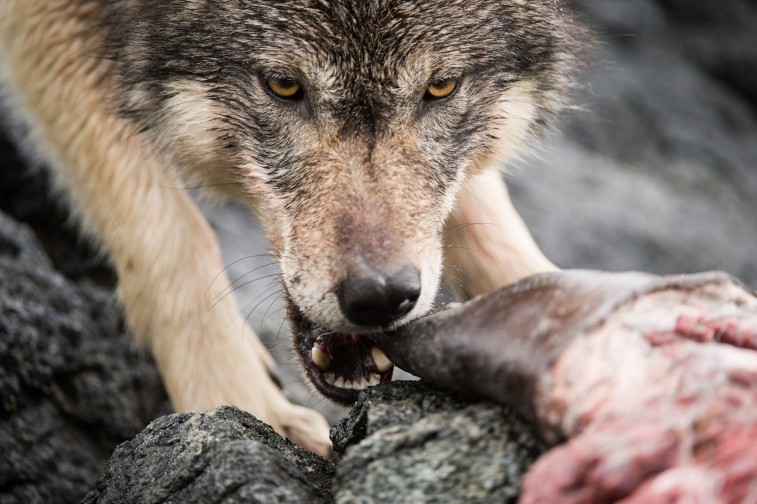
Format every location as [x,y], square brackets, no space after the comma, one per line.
[441,89]
[284,88]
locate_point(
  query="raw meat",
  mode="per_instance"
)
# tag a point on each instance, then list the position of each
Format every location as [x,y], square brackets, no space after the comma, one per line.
[649,383]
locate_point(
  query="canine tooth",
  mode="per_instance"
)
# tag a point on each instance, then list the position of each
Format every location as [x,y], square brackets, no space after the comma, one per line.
[320,358]
[329,377]
[382,362]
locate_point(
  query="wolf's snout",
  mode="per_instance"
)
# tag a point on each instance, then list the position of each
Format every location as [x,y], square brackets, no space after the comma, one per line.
[369,297]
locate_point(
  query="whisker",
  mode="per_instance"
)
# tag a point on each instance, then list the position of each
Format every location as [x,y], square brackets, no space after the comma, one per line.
[261,302]
[269,287]
[244,275]
[470,249]
[465,225]
[458,269]
[243,285]
[230,265]
[270,305]
[191,188]
[278,333]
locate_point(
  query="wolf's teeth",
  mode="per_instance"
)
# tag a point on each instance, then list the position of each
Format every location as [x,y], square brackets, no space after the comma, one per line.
[374,379]
[330,378]
[339,382]
[383,364]
[320,358]
[356,385]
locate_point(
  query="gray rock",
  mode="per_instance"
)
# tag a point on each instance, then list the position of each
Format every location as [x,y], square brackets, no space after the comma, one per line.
[404,441]
[410,442]
[657,172]
[225,455]
[71,385]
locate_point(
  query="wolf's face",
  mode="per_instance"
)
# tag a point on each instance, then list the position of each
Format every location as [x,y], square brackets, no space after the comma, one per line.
[350,125]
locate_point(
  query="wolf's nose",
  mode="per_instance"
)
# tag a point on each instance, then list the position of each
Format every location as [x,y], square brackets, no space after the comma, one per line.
[371,298]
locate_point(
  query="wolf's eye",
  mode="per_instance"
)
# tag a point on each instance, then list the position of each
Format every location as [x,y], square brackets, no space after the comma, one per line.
[283,88]
[441,89]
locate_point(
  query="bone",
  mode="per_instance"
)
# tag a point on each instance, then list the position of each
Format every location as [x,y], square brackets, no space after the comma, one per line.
[510,337]
[647,378]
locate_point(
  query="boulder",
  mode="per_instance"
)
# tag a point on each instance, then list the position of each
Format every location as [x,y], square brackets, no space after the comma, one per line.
[224,455]
[71,384]
[411,442]
[403,441]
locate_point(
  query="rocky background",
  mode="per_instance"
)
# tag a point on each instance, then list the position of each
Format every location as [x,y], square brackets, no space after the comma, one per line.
[656,171]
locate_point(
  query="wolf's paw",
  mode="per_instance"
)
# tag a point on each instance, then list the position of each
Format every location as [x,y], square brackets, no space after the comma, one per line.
[305,427]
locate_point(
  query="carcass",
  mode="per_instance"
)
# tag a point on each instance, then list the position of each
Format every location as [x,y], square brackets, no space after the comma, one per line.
[645,385]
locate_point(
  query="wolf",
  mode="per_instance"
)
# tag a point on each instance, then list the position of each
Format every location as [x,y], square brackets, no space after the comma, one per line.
[366,134]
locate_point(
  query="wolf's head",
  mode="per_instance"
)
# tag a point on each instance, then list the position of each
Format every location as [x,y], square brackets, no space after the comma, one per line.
[350,125]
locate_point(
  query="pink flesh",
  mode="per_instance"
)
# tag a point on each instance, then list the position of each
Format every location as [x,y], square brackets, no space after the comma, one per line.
[659,404]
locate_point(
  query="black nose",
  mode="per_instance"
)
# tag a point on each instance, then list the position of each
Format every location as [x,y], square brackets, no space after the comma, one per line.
[371,298]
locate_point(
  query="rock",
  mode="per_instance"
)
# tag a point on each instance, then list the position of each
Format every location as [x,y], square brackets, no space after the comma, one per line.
[403,441]
[224,455]
[656,171]
[411,442]
[71,385]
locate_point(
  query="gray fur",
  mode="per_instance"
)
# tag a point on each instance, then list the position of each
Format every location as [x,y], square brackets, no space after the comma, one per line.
[362,47]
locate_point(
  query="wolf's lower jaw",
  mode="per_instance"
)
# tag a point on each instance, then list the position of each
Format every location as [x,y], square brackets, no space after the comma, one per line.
[340,365]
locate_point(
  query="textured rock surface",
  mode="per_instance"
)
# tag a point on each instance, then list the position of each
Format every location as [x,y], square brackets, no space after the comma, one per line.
[225,455]
[410,442]
[71,386]
[404,441]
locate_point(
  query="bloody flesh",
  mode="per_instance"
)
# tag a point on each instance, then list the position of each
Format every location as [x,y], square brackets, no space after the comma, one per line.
[650,381]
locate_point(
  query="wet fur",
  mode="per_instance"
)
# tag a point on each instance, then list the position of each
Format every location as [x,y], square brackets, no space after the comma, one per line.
[124,99]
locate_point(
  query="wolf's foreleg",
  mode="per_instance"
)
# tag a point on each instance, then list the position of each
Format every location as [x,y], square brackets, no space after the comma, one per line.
[487,244]
[163,250]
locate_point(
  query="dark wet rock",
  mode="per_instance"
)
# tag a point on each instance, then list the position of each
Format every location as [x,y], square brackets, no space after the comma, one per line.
[71,385]
[224,455]
[411,442]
